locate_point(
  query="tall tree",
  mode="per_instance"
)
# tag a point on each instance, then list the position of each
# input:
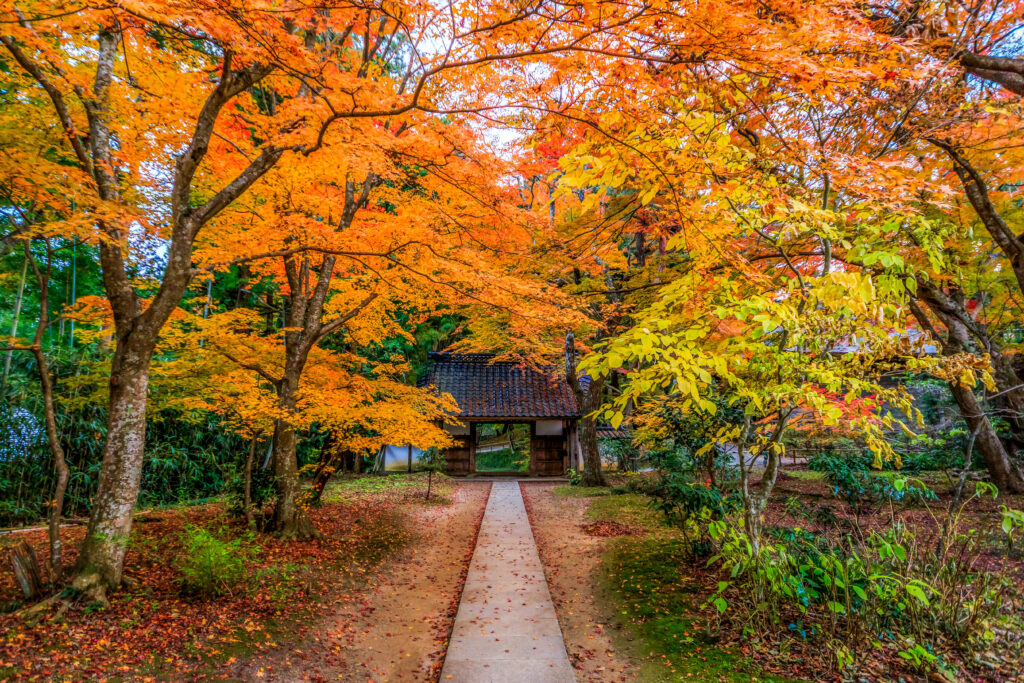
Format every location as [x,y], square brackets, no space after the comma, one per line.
[170,112]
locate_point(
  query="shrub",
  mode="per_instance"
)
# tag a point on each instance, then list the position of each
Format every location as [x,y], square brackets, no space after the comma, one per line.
[574,477]
[433,461]
[830,463]
[213,565]
[677,439]
[620,452]
[633,482]
[680,499]
[690,506]
[853,482]
[941,453]
[884,593]
[889,591]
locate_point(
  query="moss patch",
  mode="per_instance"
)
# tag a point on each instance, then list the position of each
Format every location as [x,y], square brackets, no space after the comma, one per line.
[567,491]
[656,597]
[399,488]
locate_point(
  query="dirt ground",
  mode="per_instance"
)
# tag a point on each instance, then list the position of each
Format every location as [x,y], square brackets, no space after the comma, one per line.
[571,561]
[398,629]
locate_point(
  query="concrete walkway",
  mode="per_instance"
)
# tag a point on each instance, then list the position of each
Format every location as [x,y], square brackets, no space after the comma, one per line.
[506,629]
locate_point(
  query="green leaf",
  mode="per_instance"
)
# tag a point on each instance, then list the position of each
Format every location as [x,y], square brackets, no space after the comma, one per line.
[916,591]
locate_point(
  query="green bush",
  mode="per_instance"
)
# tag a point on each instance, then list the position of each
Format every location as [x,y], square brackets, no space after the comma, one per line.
[214,565]
[944,452]
[690,506]
[888,591]
[680,499]
[853,482]
[832,462]
[574,477]
[633,482]
[884,594]
[677,438]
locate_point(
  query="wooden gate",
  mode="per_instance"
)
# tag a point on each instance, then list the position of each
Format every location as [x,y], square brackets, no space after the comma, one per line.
[548,454]
[458,457]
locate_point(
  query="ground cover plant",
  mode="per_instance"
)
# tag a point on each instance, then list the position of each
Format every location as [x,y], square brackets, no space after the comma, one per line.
[209,594]
[653,594]
[898,589]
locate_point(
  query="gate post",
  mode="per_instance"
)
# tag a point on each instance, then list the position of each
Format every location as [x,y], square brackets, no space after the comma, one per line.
[472,448]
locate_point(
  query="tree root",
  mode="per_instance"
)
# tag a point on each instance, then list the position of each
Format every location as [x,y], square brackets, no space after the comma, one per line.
[300,527]
[91,589]
[35,612]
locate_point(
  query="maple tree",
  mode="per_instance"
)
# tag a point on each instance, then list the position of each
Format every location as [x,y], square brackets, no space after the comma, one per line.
[807,177]
[346,255]
[42,274]
[31,208]
[170,112]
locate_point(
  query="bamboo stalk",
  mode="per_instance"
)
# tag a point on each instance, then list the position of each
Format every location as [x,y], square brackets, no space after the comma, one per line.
[14,323]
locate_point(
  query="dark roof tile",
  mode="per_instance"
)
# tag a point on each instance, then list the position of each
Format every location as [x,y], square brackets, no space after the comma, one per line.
[484,388]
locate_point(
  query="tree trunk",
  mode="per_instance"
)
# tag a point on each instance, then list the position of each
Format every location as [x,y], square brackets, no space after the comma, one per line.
[588,400]
[977,194]
[290,518]
[330,458]
[60,487]
[591,401]
[966,333]
[755,502]
[250,517]
[101,561]
[1011,390]
[49,414]
[1004,472]
[752,509]
[27,572]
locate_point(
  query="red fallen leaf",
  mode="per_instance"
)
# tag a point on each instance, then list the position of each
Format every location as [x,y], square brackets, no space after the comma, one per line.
[610,528]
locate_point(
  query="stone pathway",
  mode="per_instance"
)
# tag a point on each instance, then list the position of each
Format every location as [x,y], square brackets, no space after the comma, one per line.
[506,629]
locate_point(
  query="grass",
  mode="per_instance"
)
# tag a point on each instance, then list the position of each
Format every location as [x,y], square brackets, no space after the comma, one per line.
[505,460]
[806,475]
[567,491]
[657,598]
[398,487]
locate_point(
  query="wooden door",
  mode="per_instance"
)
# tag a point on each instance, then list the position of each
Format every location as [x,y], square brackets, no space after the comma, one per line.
[547,454]
[457,457]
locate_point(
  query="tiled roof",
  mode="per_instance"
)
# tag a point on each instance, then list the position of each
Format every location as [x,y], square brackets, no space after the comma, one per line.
[608,432]
[483,388]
